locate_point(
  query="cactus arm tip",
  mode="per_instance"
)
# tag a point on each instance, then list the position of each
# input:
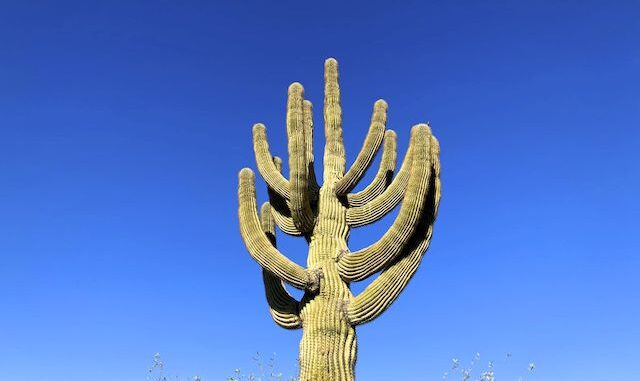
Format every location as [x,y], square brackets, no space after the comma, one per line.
[368,151]
[383,177]
[264,161]
[382,204]
[301,212]
[334,154]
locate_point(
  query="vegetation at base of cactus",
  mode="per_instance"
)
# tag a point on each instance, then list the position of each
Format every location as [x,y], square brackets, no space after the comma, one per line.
[324,214]
[269,371]
[474,371]
[157,372]
[262,371]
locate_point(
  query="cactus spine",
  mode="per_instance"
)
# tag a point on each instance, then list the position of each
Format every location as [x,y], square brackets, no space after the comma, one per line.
[328,312]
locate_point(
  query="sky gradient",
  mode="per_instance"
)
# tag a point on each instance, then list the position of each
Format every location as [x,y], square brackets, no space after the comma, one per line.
[124,124]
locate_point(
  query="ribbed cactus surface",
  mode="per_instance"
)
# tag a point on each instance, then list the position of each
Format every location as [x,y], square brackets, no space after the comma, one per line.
[323,214]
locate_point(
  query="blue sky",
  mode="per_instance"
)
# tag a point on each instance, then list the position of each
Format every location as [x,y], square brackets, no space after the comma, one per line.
[124,125]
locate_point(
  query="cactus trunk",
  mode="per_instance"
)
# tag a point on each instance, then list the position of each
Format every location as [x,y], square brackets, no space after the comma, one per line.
[329,313]
[328,346]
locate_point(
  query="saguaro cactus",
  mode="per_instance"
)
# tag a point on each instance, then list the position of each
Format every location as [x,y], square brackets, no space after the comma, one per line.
[328,312]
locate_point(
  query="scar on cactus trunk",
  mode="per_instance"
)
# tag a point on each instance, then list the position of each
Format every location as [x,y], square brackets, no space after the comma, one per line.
[323,214]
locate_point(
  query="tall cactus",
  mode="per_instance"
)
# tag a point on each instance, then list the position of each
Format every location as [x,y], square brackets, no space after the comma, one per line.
[328,312]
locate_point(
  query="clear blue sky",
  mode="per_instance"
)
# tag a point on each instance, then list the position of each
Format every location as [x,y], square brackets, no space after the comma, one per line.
[124,124]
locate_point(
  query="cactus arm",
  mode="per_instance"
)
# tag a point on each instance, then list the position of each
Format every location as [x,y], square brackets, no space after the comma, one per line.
[308,139]
[383,291]
[383,177]
[334,155]
[384,203]
[280,209]
[299,202]
[368,151]
[283,218]
[366,262]
[257,242]
[265,164]
[283,308]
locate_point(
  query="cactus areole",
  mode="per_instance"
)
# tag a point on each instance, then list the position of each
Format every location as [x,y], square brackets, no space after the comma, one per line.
[323,214]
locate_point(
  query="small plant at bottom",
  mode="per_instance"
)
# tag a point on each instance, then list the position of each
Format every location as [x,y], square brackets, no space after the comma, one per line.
[484,374]
[156,372]
[261,371]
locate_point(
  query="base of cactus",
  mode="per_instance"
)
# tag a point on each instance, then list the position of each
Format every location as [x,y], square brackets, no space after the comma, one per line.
[328,353]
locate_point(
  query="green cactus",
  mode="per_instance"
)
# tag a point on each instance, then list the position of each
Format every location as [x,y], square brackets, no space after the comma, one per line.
[328,312]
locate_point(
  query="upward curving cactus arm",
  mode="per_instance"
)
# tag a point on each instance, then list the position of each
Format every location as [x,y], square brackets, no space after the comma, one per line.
[366,262]
[280,208]
[371,145]
[383,291]
[308,139]
[385,202]
[334,155]
[382,178]
[299,184]
[264,161]
[284,309]
[257,242]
